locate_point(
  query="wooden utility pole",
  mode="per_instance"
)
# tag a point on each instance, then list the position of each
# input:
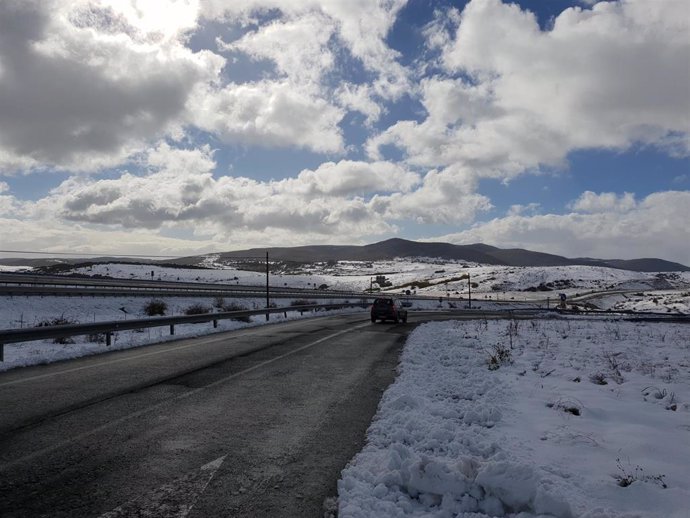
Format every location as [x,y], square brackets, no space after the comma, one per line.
[268,301]
[469,290]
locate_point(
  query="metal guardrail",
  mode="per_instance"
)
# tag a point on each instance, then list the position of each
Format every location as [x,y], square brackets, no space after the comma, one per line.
[96,291]
[30,334]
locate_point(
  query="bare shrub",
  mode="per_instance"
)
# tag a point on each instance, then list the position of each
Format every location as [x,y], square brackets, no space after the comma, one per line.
[219,302]
[197,309]
[499,355]
[97,338]
[303,302]
[628,475]
[155,307]
[598,379]
[58,321]
[569,406]
[232,306]
[614,367]
[512,331]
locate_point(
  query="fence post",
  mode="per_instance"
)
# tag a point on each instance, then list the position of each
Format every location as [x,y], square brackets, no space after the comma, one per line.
[172,329]
[215,323]
[2,352]
[108,338]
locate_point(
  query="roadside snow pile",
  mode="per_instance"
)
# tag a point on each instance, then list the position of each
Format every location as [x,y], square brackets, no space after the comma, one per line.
[530,418]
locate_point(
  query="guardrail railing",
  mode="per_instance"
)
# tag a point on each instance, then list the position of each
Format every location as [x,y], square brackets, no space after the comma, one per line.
[30,334]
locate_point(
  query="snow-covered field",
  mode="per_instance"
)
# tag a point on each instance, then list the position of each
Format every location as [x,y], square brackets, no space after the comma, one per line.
[422,276]
[19,312]
[519,418]
[554,418]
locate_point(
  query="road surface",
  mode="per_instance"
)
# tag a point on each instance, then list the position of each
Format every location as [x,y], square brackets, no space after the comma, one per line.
[257,422]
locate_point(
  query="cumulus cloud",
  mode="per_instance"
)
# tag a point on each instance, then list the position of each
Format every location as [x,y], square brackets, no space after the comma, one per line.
[654,227]
[268,114]
[299,46]
[83,85]
[514,97]
[86,85]
[604,202]
[349,178]
[361,24]
[446,196]
[179,191]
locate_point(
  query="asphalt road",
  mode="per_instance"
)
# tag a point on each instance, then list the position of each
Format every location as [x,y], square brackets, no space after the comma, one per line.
[257,422]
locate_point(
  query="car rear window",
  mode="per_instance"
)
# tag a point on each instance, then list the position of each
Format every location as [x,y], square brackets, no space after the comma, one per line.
[383,302]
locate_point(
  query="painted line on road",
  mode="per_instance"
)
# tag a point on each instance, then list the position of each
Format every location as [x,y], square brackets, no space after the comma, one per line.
[168,349]
[138,413]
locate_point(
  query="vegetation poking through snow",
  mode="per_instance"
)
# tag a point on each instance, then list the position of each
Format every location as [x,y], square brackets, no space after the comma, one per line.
[58,321]
[197,309]
[155,307]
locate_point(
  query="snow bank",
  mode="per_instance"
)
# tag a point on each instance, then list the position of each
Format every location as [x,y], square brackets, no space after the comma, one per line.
[534,436]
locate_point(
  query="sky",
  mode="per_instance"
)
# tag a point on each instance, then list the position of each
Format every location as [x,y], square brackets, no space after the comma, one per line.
[181,127]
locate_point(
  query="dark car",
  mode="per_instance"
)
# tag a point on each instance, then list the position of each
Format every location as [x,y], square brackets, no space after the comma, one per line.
[388,309]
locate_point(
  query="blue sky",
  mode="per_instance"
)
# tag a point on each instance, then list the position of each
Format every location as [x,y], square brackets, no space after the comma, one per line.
[182,126]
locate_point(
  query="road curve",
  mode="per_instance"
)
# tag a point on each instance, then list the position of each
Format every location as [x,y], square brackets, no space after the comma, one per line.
[257,422]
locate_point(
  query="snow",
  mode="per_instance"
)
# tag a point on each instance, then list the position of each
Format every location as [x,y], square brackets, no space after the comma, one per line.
[529,433]
[494,281]
[454,438]
[19,312]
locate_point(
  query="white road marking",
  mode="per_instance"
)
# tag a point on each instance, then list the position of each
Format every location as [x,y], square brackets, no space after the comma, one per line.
[168,349]
[174,500]
[138,413]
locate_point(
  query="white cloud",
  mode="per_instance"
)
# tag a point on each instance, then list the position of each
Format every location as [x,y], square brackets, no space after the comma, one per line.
[349,178]
[180,192]
[604,202]
[447,196]
[267,114]
[298,46]
[84,86]
[654,227]
[605,77]
[361,25]
[518,209]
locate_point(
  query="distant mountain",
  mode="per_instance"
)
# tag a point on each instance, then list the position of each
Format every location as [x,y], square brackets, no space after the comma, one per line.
[396,247]
[646,265]
[390,249]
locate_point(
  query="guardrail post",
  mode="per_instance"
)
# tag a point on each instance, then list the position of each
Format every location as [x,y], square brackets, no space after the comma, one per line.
[2,352]
[108,339]
[215,323]
[172,329]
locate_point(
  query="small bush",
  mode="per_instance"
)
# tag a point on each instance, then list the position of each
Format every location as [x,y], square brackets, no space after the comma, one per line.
[598,379]
[500,355]
[237,307]
[155,307]
[303,302]
[97,338]
[567,405]
[628,475]
[219,302]
[197,309]
[58,321]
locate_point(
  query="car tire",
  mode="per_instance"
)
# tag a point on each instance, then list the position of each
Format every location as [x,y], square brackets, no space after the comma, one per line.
[373,320]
